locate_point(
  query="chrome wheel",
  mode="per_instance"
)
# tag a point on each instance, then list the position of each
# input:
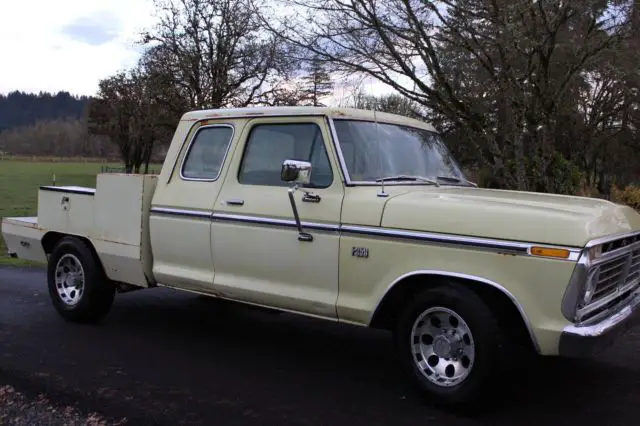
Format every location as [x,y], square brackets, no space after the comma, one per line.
[69,279]
[443,347]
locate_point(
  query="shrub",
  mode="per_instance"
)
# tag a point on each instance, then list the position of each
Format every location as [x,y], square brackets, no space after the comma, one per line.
[630,196]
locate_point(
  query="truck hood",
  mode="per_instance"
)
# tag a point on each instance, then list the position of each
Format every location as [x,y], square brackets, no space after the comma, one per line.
[509,215]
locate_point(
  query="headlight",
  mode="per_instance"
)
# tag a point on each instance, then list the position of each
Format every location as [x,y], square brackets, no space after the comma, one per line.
[589,286]
[582,284]
[594,253]
[580,289]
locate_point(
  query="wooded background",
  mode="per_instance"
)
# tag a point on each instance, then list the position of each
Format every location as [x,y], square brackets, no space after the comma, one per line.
[531,95]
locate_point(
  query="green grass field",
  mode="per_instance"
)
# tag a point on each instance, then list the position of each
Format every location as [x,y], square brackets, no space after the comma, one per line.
[20,179]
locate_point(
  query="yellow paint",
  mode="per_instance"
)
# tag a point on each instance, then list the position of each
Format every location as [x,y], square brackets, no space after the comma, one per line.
[268,265]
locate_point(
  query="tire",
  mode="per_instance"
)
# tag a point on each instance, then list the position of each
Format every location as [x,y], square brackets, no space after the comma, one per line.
[472,356]
[93,296]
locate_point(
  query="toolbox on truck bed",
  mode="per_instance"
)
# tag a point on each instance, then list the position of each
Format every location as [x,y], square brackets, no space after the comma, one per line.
[113,217]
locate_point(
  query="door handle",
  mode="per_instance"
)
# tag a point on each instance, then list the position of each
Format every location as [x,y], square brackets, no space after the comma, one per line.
[235,202]
[309,197]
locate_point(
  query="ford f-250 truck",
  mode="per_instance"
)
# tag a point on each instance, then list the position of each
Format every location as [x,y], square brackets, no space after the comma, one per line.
[351,216]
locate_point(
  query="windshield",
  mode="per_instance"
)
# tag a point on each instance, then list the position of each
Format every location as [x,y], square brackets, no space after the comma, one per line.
[372,151]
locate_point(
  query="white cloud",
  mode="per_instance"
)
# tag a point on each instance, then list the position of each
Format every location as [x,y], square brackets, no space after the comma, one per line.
[68,44]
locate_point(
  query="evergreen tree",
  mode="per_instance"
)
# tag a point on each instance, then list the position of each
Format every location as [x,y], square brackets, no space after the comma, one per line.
[317,83]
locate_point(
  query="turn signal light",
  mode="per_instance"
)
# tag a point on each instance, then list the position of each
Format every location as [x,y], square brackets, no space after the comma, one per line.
[550,252]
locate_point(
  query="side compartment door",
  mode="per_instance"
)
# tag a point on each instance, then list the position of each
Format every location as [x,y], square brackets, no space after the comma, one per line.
[180,219]
[258,255]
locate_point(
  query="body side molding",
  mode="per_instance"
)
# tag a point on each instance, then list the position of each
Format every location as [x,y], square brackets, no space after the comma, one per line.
[499,246]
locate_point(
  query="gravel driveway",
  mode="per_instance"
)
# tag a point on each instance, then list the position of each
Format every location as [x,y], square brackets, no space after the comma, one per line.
[18,410]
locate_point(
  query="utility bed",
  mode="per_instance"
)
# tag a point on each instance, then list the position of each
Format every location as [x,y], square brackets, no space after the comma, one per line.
[113,216]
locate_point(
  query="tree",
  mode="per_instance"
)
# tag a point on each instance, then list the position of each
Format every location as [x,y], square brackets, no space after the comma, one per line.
[214,54]
[392,103]
[317,83]
[496,73]
[125,111]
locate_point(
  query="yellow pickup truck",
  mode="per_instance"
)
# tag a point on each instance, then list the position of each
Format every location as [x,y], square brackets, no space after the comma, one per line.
[352,216]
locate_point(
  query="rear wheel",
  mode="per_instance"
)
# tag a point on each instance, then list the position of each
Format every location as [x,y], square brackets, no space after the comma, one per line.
[78,287]
[451,345]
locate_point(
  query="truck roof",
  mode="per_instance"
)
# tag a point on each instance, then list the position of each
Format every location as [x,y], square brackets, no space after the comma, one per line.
[332,112]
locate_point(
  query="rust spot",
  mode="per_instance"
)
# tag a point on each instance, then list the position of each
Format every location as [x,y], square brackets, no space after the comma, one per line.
[101,238]
[24,224]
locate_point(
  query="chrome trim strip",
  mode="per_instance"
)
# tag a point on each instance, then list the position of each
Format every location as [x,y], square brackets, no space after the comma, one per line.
[270,221]
[609,238]
[574,255]
[73,190]
[181,212]
[485,243]
[338,149]
[596,304]
[255,114]
[622,287]
[224,159]
[621,313]
[467,277]
[574,291]
[580,341]
[617,253]
[439,238]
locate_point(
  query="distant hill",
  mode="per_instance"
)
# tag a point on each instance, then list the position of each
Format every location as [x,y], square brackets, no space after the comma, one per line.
[19,109]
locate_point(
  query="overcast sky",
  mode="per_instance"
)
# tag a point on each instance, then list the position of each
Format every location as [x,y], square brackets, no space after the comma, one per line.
[68,44]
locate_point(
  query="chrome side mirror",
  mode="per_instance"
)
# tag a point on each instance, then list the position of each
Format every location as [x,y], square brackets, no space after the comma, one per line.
[296,171]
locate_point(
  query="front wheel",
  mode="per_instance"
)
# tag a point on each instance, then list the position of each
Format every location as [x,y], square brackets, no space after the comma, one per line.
[451,345]
[78,287]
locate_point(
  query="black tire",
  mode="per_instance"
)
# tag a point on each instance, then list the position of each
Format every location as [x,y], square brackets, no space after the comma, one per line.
[97,292]
[489,342]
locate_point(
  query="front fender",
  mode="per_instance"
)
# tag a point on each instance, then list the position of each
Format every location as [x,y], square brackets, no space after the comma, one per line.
[535,285]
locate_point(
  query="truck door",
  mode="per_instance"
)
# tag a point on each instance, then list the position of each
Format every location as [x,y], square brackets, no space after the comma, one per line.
[256,250]
[180,219]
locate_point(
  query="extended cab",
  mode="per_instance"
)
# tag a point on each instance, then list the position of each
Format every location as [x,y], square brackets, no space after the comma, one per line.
[351,216]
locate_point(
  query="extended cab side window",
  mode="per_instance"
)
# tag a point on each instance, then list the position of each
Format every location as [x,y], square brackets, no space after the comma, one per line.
[206,153]
[269,145]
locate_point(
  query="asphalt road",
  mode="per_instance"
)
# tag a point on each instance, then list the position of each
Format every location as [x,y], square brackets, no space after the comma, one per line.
[167,357]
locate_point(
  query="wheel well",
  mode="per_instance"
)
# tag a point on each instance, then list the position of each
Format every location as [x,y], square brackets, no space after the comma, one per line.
[386,315]
[50,240]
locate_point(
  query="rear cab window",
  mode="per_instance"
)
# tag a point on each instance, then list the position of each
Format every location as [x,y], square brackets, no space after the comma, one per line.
[207,152]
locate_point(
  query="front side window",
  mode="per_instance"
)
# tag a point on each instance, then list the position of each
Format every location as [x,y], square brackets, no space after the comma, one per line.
[375,150]
[269,145]
[207,152]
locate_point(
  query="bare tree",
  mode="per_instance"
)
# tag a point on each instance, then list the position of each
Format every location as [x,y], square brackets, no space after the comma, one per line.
[125,111]
[495,72]
[215,54]
[392,103]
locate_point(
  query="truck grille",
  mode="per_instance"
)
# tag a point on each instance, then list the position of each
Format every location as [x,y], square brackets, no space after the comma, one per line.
[618,276]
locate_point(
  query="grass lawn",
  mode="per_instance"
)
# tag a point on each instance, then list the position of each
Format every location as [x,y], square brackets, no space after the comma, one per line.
[19,182]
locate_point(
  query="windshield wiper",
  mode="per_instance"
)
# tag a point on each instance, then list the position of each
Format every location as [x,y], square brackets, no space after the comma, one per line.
[458,180]
[409,178]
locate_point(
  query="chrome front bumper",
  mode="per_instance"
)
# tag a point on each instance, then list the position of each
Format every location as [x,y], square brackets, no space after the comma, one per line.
[580,341]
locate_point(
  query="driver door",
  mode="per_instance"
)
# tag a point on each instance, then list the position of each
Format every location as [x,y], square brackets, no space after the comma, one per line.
[256,250]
